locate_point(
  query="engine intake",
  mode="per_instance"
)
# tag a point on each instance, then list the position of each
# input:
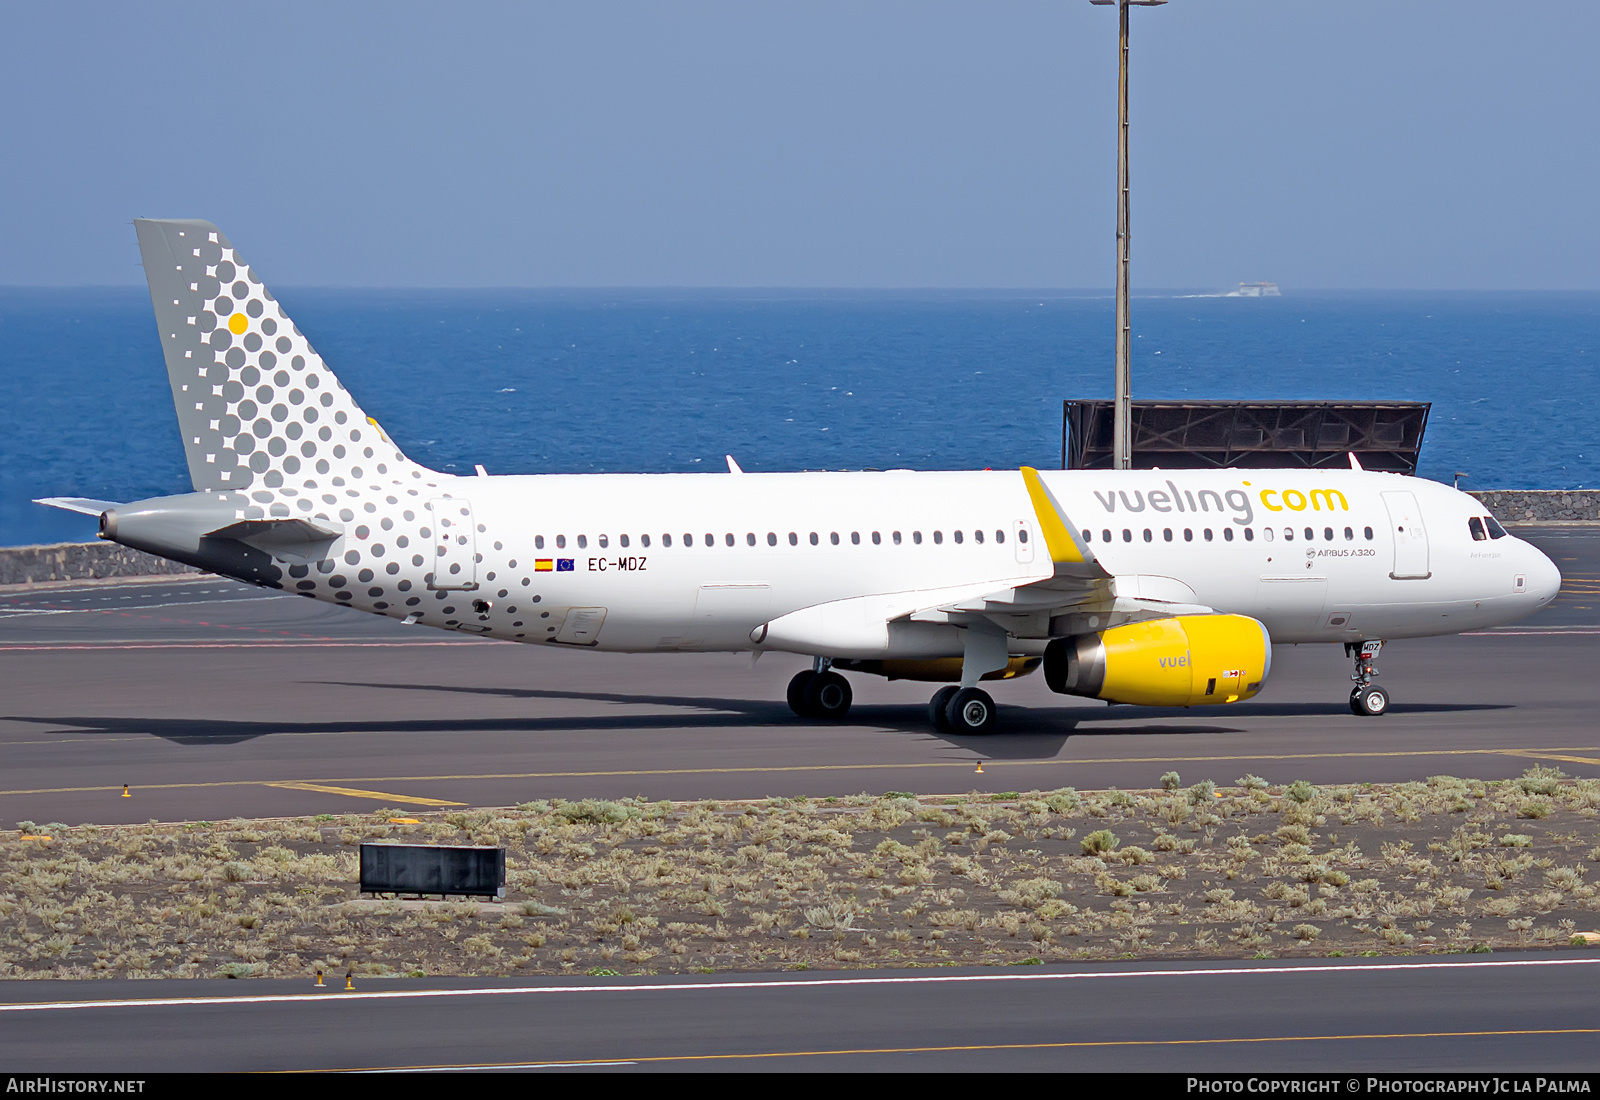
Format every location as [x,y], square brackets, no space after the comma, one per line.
[1184,661]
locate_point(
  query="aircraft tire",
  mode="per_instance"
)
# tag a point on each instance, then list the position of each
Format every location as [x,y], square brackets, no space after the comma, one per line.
[939,704]
[970,711]
[828,695]
[1370,701]
[797,692]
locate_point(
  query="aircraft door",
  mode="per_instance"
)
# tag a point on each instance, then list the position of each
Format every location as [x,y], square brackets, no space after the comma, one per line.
[1410,536]
[455,545]
[1022,540]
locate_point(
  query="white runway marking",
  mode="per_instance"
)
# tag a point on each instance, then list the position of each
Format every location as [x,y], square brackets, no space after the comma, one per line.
[331,996]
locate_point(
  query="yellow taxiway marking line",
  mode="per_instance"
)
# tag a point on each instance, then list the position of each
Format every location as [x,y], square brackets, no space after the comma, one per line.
[352,792]
[1079,1044]
[908,766]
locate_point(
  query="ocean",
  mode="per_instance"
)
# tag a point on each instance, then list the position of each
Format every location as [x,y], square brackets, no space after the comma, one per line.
[534,381]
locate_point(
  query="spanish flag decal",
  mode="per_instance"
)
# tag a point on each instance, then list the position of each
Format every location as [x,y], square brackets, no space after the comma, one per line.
[544,565]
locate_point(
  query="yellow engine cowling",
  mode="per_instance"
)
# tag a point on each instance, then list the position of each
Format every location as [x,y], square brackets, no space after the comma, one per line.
[1185,661]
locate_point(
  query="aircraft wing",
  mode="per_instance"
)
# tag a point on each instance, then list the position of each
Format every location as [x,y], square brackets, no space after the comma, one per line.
[1077,588]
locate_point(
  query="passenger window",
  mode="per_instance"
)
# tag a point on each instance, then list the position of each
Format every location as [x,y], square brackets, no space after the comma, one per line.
[1495,530]
[855,538]
[938,538]
[583,542]
[604,542]
[538,542]
[794,539]
[813,538]
[1208,534]
[1105,536]
[1327,534]
[1188,535]
[833,537]
[1147,535]
[978,535]
[1022,534]
[1250,535]
[877,539]
[1368,532]
[1310,535]
[688,539]
[1349,534]
[750,538]
[916,537]
[622,541]
[1167,534]
[644,540]
[561,542]
[772,538]
[1266,533]
[957,537]
[1288,534]
[1227,534]
[1127,535]
[999,535]
[666,540]
[896,537]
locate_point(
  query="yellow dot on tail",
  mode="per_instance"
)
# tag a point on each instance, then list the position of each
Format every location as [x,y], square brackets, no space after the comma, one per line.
[237,324]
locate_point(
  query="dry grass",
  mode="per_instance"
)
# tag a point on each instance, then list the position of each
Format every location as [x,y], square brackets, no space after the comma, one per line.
[897,880]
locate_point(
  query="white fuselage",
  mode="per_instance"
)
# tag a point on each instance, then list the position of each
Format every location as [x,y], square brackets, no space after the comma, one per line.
[699,561]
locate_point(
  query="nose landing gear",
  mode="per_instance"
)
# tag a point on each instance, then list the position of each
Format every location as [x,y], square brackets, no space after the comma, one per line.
[1366,698]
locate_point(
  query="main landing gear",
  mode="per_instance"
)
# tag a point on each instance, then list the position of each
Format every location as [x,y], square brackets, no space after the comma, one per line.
[819,692]
[1366,698]
[961,710]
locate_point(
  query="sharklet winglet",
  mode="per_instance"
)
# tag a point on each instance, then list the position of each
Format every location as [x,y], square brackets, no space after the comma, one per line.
[1060,540]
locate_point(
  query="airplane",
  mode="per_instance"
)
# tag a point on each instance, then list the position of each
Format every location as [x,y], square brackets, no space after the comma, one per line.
[1145,587]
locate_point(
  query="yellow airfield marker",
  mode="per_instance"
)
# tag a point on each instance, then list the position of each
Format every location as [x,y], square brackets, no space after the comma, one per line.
[125,793]
[980,767]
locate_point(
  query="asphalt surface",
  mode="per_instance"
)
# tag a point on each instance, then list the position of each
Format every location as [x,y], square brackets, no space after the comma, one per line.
[210,699]
[1343,1017]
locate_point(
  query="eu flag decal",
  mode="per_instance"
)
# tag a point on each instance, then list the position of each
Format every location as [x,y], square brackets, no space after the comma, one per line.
[563,565]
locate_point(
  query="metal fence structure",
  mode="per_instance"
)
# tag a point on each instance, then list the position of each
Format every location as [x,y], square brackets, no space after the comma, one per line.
[1203,435]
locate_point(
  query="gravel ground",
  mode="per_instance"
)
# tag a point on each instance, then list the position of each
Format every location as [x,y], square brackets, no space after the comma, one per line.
[1244,871]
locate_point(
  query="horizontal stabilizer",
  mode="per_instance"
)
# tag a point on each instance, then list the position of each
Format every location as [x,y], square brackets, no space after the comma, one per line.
[289,539]
[87,506]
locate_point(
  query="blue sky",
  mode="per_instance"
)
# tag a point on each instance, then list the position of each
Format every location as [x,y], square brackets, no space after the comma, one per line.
[1423,144]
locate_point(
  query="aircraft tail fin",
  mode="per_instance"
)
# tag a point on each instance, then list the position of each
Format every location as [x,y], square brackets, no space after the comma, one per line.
[256,405]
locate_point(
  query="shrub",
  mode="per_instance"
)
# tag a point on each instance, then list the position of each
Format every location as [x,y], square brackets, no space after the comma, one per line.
[1063,801]
[1251,782]
[1202,793]
[1100,842]
[1170,781]
[1301,791]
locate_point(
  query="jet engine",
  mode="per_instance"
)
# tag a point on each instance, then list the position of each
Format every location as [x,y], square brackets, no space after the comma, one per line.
[1183,661]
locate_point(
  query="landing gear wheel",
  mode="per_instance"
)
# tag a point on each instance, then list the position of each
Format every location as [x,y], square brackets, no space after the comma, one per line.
[970,711]
[1370,701]
[797,692]
[828,696]
[939,704]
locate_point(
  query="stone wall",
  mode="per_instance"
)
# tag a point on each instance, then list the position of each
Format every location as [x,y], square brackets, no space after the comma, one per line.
[1541,505]
[77,561]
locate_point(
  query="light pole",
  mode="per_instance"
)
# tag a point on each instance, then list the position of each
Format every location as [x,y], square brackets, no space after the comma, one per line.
[1122,420]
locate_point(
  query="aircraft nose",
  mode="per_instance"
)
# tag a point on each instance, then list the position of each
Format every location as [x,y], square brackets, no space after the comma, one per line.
[1544,579]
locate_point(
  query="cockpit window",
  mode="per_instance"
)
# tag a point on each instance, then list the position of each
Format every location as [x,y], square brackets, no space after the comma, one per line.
[1495,530]
[1475,525]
